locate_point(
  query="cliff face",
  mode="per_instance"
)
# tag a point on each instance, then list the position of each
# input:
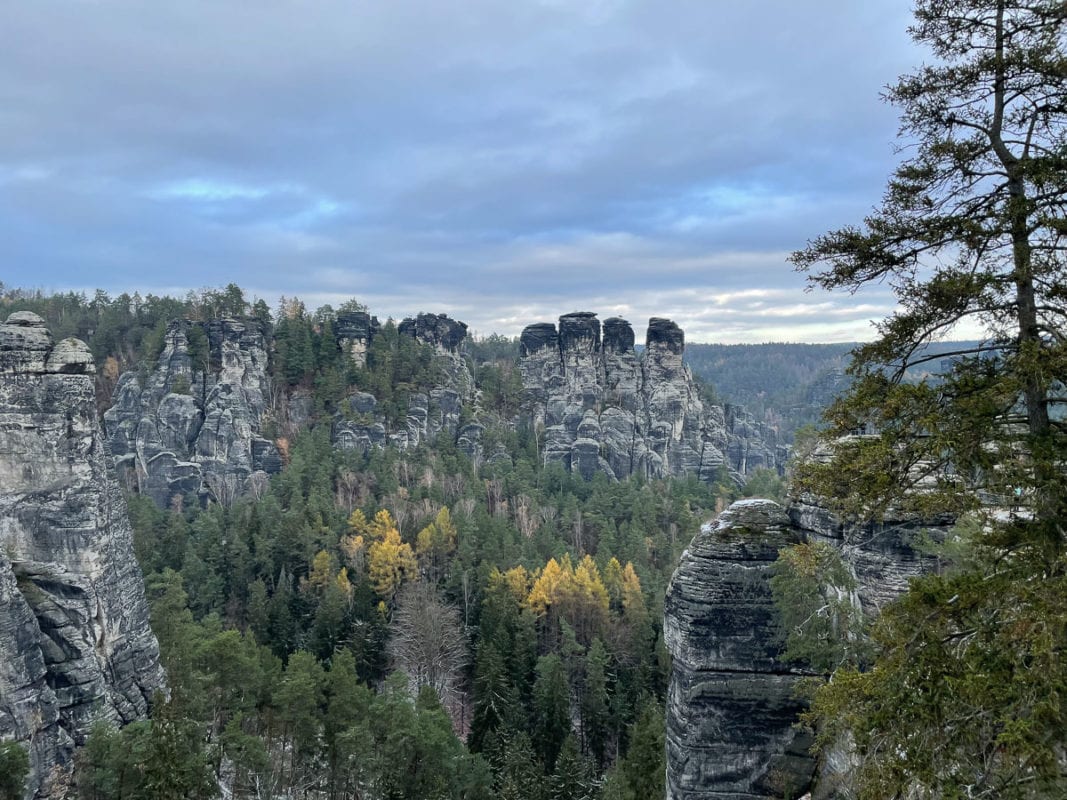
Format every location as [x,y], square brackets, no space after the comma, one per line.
[605,408]
[192,422]
[75,645]
[354,331]
[730,708]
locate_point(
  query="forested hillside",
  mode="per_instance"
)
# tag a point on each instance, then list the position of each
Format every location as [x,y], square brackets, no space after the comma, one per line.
[790,384]
[386,623]
[785,383]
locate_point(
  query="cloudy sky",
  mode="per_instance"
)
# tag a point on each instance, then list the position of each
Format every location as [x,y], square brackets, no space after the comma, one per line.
[504,161]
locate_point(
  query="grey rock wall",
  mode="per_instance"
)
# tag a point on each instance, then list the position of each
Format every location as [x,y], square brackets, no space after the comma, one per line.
[75,644]
[354,331]
[361,425]
[730,705]
[192,423]
[606,409]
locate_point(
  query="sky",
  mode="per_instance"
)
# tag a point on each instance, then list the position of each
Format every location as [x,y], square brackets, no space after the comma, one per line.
[501,161]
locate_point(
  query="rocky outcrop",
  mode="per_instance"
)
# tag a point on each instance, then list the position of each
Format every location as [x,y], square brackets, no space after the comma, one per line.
[193,422]
[440,330]
[354,331]
[730,707]
[883,556]
[606,409]
[361,425]
[75,645]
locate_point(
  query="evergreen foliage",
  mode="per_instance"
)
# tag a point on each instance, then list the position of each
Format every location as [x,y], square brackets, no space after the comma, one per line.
[14,768]
[285,623]
[962,698]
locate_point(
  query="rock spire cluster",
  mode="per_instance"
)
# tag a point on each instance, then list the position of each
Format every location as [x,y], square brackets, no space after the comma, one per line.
[606,408]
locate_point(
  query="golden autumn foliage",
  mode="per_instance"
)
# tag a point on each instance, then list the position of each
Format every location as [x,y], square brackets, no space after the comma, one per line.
[354,550]
[342,583]
[381,525]
[579,596]
[518,581]
[357,523]
[390,562]
[323,570]
[545,591]
[435,544]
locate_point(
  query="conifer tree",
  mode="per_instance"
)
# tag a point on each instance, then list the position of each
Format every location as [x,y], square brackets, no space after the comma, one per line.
[962,698]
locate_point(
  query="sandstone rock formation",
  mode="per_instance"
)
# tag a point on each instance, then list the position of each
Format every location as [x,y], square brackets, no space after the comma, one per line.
[730,706]
[354,331]
[193,421]
[75,645]
[606,409]
[361,425]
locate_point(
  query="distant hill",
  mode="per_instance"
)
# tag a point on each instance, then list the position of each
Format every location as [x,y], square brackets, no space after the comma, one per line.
[784,383]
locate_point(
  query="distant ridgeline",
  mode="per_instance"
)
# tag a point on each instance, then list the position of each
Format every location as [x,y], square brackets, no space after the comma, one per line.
[789,384]
[212,413]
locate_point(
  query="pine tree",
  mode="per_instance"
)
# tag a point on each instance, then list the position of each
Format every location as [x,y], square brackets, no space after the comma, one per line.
[551,709]
[970,230]
[962,698]
[596,713]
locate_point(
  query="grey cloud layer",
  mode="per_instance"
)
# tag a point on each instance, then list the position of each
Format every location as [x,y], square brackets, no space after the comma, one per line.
[497,158]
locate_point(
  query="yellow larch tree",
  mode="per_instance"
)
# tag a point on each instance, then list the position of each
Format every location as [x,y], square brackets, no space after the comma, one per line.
[390,562]
[435,544]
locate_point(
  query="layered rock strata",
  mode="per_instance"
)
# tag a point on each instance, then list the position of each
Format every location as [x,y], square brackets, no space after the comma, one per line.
[604,408]
[882,556]
[75,645]
[193,422]
[730,707]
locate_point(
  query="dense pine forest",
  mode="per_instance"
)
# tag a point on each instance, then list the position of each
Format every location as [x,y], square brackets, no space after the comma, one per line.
[391,624]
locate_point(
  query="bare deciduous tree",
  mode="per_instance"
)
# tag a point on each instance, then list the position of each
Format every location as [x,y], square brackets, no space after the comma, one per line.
[428,644]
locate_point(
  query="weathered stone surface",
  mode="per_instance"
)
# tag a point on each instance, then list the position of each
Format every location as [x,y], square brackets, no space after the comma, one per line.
[196,427]
[361,426]
[618,336]
[539,336]
[651,420]
[354,331]
[730,708]
[70,356]
[75,645]
[29,711]
[883,556]
[439,330]
[24,343]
